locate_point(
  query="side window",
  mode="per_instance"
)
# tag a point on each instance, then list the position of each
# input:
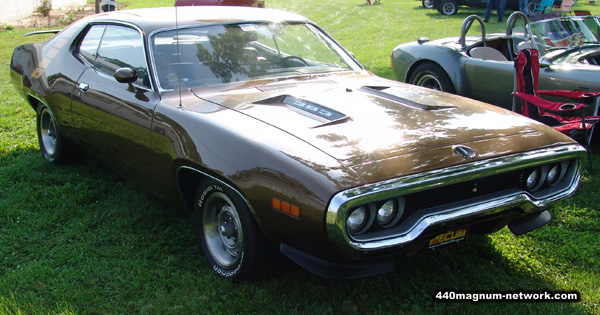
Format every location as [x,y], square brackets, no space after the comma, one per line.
[122,47]
[89,45]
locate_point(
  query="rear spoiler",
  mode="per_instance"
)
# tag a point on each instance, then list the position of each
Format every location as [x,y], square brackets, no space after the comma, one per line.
[42,32]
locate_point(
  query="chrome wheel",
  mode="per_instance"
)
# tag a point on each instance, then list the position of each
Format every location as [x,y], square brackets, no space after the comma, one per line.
[223,230]
[47,129]
[53,144]
[233,244]
[429,81]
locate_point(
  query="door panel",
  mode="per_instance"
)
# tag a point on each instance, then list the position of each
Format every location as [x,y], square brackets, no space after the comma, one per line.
[490,81]
[113,120]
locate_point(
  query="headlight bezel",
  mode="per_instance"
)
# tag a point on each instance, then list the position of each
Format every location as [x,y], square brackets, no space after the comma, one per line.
[371,211]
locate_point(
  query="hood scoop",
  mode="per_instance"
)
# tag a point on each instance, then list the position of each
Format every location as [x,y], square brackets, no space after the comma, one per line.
[323,114]
[393,94]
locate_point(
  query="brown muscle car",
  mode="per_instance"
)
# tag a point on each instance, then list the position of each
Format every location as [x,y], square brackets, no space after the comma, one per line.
[272,135]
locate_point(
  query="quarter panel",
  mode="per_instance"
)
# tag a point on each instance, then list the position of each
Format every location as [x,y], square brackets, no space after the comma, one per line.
[49,73]
[570,77]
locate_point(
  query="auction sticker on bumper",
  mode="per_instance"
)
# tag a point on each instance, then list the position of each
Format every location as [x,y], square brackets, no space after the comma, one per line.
[447,238]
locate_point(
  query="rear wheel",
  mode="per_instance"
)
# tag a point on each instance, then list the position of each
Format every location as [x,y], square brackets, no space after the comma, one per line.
[230,238]
[448,7]
[53,144]
[432,76]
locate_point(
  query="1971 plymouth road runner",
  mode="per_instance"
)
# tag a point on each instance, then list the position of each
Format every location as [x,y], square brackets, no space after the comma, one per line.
[272,135]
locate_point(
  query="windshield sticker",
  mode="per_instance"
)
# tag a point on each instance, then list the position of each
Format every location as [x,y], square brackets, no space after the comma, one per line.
[248,28]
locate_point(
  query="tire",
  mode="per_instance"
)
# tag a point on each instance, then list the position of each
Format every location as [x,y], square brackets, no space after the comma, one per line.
[53,144]
[428,4]
[448,7]
[231,240]
[432,76]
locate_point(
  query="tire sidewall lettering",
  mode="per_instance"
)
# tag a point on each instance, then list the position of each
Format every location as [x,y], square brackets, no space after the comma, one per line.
[207,191]
[228,273]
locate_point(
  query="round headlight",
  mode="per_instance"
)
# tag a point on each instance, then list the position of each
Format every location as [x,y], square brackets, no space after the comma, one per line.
[532,179]
[356,220]
[553,174]
[386,212]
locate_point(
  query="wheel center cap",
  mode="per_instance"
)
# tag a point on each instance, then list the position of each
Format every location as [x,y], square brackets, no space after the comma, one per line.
[228,229]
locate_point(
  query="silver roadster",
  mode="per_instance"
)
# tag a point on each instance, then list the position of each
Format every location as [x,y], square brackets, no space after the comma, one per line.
[481,67]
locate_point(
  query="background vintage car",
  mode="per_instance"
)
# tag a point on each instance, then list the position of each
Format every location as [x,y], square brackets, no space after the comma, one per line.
[337,168]
[450,7]
[448,64]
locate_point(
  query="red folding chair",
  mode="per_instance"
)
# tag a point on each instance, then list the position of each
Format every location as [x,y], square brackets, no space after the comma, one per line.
[569,118]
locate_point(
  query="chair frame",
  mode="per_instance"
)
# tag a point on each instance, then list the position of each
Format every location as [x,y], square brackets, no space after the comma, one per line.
[543,6]
[526,93]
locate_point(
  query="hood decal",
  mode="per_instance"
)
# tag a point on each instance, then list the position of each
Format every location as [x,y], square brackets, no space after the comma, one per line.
[394,95]
[319,112]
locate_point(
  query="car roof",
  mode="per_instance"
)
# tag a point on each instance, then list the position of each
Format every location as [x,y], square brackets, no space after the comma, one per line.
[151,19]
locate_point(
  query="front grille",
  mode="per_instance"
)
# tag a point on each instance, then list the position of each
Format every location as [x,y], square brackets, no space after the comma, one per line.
[462,191]
[437,200]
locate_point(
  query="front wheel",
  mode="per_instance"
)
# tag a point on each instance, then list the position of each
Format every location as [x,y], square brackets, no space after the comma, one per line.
[432,76]
[428,4]
[230,238]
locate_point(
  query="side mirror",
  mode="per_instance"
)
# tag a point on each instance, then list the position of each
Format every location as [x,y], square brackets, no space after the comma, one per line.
[126,75]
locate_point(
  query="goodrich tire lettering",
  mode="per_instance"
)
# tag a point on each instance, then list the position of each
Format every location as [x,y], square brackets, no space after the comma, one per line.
[227,232]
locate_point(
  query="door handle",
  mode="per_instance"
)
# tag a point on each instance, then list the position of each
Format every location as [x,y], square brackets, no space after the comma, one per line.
[83,87]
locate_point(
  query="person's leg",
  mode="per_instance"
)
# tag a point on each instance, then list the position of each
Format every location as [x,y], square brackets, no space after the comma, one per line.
[488,10]
[500,10]
[523,6]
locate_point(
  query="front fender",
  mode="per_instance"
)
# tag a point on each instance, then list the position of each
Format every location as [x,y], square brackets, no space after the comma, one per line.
[259,161]
[406,57]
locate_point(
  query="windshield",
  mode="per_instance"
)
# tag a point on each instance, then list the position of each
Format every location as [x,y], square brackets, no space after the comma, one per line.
[563,33]
[237,52]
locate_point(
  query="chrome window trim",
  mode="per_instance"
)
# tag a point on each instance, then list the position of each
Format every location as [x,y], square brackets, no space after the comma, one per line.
[76,44]
[477,207]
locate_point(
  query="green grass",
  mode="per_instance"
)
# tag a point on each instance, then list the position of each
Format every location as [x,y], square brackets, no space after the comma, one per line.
[76,239]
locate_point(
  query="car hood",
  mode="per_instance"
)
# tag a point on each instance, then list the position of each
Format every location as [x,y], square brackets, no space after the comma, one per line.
[374,125]
[574,55]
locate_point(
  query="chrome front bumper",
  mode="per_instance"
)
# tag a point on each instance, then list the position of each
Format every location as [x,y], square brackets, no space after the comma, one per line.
[455,213]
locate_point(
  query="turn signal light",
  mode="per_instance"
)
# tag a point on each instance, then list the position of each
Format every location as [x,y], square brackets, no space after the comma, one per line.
[286,207]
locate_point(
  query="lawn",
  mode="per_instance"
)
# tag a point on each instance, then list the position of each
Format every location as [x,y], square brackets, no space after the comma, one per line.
[77,239]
